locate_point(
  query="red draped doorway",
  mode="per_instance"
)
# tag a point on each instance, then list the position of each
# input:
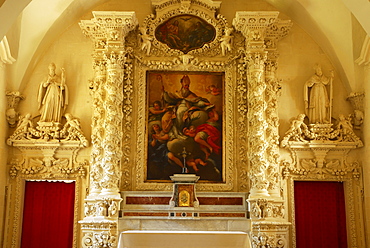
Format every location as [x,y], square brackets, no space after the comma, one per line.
[320,216]
[48,215]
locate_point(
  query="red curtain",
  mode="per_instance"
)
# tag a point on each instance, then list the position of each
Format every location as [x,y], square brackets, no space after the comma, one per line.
[320,215]
[48,215]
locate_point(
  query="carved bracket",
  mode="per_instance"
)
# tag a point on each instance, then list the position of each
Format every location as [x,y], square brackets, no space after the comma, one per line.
[49,150]
[12,115]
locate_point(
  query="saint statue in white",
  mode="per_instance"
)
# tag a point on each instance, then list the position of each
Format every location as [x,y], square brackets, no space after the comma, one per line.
[318,97]
[53,96]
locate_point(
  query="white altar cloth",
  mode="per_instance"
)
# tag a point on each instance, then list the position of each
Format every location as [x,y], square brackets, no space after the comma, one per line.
[183,239]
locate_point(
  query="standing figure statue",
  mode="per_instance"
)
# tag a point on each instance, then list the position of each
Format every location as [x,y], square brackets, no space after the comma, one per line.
[53,96]
[226,41]
[146,40]
[317,100]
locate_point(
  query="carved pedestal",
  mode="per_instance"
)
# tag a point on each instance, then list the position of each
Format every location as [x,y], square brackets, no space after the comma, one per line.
[184,190]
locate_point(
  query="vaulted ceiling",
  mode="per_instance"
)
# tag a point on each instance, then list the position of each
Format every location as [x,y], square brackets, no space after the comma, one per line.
[338,26]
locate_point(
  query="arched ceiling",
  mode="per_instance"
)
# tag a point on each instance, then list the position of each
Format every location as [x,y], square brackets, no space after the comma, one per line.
[330,23]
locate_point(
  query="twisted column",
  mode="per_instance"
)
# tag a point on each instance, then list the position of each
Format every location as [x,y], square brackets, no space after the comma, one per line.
[262,31]
[108,31]
[109,91]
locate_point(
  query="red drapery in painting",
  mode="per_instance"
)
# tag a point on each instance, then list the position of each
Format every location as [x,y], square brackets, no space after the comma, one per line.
[48,215]
[320,215]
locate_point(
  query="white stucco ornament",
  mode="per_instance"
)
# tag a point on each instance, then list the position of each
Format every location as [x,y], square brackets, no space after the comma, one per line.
[53,96]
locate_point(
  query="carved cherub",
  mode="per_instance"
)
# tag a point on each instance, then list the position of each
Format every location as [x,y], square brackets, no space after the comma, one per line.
[146,40]
[112,209]
[226,41]
[345,127]
[23,125]
[72,130]
[297,128]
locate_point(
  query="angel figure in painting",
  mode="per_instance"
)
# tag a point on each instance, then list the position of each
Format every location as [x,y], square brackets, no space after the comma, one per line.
[316,97]
[53,96]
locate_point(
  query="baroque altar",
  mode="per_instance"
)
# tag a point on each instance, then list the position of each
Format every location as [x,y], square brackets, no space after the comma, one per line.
[189,43]
[185,129]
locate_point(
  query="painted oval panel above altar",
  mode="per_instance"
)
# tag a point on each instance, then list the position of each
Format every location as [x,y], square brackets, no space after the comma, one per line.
[185,33]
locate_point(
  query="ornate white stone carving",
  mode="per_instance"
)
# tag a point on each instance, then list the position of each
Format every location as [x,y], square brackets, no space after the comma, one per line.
[265,209]
[269,234]
[357,101]
[168,9]
[16,197]
[48,149]
[146,40]
[259,88]
[12,115]
[53,96]
[332,170]
[206,58]
[301,134]
[318,97]
[226,41]
[111,90]
[319,149]
[253,27]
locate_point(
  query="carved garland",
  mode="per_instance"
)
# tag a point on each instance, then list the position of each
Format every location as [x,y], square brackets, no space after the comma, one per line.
[257,122]
[272,132]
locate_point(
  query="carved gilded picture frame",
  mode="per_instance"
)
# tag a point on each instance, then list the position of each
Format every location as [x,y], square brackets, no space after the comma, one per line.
[225,84]
[179,61]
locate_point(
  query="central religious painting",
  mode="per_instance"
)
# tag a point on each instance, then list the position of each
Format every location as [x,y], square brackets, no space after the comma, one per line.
[184,124]
[185,33]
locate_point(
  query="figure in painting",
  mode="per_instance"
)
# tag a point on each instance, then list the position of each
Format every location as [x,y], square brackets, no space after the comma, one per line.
[53,96]
[213,90]
[317,99]
[156,112]
[187,103]
[185,33]
[170,34]
[198,35]
[206,135]
[159,152]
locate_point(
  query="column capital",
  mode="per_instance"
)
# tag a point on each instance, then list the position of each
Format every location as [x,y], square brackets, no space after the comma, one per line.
[253,26]
[262,29]
[109,28]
